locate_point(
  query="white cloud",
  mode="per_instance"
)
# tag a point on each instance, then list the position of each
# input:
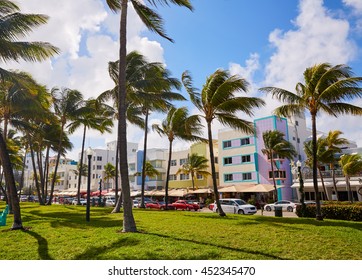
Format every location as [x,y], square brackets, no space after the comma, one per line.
[355,4]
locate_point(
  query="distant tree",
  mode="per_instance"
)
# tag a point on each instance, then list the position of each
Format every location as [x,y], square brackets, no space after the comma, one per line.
[217,101]
[195,165]
[277,147]
[351,165]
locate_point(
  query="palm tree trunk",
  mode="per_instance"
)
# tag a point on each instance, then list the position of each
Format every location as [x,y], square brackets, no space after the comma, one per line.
[349,191]
[315,171]
[81,165]
[168,172]
[117,207]
[323,185]
[10,182]
[56,166]
[334,181]
[213,170]
[35,172]
[144,162]
[129,224]
[273,176]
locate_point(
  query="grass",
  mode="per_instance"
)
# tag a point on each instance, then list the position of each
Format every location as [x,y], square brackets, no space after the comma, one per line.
[61,233]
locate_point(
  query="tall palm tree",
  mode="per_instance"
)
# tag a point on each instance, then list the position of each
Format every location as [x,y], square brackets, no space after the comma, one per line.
[68,106]
[277,147]
[15,25]
[217,101]
[351,165]
[153,22]
[334,144]
[149,88]
[325,89]
[195,165]
[178,125]
[93,117]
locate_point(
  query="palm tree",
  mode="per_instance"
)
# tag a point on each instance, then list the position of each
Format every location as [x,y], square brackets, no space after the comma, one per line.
[334,143]
[92,117]
[149,171]
[276,147]
[325,89]
[351,165]
[149,88]
[110,172]
[323,156]
[217,100]
[195,165]
[14,25]
[68,106]
[178,125]
[153,22]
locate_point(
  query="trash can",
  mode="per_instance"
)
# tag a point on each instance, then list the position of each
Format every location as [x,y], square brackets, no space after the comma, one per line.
[278,211]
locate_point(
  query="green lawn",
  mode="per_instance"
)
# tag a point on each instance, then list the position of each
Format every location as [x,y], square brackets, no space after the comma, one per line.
[61,233]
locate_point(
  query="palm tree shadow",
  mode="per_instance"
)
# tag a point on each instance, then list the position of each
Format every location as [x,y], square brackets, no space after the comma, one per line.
[43,249]
[252,252]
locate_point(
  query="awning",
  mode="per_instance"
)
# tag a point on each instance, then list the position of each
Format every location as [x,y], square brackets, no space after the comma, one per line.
[260,188]
[177,192]
[209,191]
[311,184]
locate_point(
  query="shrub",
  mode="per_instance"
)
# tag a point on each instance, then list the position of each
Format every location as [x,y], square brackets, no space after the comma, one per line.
[336,211]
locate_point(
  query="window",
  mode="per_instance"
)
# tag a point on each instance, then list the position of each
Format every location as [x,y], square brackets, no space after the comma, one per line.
[132,166]
[247,176]
[228,160]
[278,174]
[172,177]
[228,177]
[226,144]
[173,162]
[99,158]
[245,141]
[184,176]
[246,158]
[199,177]
[296,123]
[298,140]
[216,159]
[99,167]
[183,161]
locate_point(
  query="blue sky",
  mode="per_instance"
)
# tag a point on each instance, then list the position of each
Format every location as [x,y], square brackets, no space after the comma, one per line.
[268,42]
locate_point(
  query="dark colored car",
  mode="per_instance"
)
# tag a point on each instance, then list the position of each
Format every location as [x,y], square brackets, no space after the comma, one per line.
[185,205]
[159,205]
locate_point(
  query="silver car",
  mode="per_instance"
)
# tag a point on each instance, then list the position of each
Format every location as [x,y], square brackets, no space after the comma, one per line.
[285,204]
[235,206]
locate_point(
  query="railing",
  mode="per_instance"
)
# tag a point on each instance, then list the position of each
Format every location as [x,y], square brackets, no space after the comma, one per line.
[328,174]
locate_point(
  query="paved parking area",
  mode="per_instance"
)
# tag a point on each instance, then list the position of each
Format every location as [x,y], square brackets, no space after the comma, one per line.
[265,213]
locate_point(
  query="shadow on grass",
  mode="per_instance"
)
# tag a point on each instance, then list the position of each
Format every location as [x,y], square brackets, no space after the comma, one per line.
[309,221]
[93,253]
[43,249]
[217,246]
[75,219]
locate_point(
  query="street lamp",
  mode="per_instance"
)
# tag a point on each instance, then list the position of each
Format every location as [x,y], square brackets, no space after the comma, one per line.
[301,185]
[89,153]
[100,191]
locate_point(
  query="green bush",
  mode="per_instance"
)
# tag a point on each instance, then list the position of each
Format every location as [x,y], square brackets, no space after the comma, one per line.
[336,211]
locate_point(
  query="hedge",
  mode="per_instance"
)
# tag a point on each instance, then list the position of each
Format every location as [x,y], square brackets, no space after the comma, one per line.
[337,211]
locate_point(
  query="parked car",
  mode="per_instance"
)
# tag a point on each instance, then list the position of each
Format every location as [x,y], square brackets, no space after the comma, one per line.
[110,202]
[184,205]
[286,204]
[235,206]
[136,203]
[200,205]
[82,201]
[159,205]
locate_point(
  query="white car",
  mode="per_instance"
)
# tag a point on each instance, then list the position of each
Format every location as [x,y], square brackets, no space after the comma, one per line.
[82,201]
[287,205]
[136,203]
[110,202]
[235,206]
